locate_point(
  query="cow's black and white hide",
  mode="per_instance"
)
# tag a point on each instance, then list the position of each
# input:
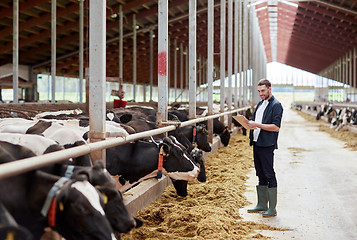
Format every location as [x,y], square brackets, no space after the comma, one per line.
[136,161]
[76,211]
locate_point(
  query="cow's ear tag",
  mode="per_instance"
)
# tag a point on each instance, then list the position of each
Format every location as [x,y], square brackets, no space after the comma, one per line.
[162,151]
[105,198]
[61,206]
[203,130]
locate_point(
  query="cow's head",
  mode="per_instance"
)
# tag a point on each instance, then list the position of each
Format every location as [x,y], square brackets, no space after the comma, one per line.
[79,212]
[178,164]
[116,211]
[198,159]
[180,187]
[225,136]
[202,138]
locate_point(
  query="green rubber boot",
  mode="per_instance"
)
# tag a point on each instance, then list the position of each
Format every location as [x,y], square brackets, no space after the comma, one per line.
[272,193]
[262,206]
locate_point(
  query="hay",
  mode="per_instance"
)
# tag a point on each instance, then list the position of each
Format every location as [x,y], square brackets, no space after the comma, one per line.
[211,209]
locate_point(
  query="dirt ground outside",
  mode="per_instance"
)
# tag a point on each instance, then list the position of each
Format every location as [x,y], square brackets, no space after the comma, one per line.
[211,209]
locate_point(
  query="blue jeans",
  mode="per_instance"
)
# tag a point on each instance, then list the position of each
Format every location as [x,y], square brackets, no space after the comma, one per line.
[264,165]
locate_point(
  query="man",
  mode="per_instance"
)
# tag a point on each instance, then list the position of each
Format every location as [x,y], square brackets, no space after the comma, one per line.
[266,122]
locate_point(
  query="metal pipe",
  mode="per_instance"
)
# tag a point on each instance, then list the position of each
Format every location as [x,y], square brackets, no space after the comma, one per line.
[81,45]
[162,59]
[236,50]
[97,73]
[230,56]
[134,56]
[181,70]
[53,49]
[210,70]
[15,51]
[120,44]
[222,66]
[175,69]
[151,61]
[22,166]
[192,59]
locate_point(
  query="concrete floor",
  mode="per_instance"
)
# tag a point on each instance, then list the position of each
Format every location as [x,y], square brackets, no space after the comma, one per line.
[317,185]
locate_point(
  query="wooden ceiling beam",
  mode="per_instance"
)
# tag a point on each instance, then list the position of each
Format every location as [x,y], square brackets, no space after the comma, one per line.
[7,12]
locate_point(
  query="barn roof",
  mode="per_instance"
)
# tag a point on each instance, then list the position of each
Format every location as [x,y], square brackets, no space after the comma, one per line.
[309,35]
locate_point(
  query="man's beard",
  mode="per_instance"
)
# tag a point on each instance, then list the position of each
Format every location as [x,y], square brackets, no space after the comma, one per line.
[267,96]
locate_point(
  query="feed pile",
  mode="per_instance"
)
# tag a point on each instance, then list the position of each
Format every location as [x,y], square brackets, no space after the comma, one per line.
[211,209]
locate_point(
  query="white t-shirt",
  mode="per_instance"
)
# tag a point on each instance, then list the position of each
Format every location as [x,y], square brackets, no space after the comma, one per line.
[259,118]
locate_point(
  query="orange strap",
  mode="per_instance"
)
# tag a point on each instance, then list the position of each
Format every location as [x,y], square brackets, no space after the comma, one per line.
[194,131]
[160,164]
[52,213]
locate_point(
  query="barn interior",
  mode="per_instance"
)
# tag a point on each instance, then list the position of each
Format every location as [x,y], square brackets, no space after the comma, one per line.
[316,36]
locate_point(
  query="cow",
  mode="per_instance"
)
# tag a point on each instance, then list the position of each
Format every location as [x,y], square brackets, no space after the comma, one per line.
[73,208]
[136,161]
[9,229]
[41,145]
[218,127]
[98,176]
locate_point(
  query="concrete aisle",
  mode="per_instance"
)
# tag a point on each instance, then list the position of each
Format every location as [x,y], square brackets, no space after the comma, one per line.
[317,185]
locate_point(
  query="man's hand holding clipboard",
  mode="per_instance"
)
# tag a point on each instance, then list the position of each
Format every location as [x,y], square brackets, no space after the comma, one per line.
[243,121]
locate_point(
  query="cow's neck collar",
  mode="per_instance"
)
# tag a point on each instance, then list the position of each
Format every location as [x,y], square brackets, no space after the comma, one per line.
[194,133]
[50,205]
[160,162]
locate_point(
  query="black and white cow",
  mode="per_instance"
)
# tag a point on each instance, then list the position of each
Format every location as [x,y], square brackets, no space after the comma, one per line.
[98,176]
[136,161]
[73,208]
[218,126]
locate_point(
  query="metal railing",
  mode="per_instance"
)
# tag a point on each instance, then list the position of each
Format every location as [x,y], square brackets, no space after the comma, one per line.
[21,166]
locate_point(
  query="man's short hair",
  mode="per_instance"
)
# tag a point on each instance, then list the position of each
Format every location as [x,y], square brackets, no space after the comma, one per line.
[265,82]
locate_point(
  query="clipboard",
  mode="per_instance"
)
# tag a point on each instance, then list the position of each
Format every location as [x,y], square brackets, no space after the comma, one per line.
[242,119]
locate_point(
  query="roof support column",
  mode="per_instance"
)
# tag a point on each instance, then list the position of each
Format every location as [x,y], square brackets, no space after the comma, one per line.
[15,51]
[236,49]
[81,45]
[240,67]
[162,60]
[210,69]
[354,74]
[97,73]
[230,57]
[187,75]
[120,47]
[192,58]
[199,76]
[151,61]
[245,51]
[175,69]
[134,57]
[222,56]
[168,69]
[350,73]
[181,71]
[53,49]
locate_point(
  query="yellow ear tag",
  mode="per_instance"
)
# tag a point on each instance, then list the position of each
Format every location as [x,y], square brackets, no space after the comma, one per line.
[162,152]
[61,206]
[203,130]
[105,198]
[10,236]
